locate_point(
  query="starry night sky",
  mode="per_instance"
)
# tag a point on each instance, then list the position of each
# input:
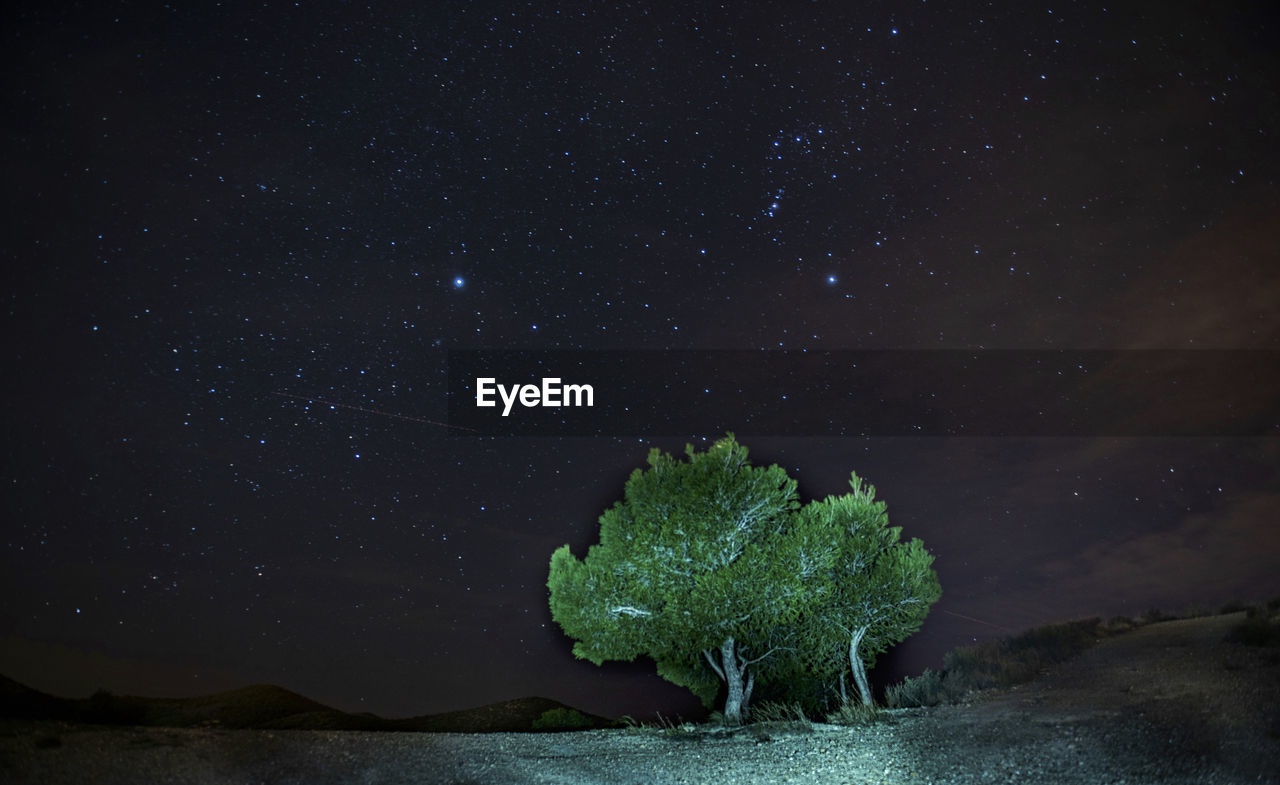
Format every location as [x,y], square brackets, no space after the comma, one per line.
[239,242]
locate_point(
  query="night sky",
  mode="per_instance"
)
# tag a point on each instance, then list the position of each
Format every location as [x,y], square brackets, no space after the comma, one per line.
[241,239]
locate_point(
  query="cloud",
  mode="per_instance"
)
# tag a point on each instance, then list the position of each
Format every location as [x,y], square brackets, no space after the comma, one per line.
[1208,557]
[1214,288]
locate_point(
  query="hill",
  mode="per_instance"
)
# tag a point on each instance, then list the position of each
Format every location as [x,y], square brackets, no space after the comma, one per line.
[268,707]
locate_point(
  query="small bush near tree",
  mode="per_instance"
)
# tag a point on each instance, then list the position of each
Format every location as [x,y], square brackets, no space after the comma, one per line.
[854,713]
[930,688]
[775,711]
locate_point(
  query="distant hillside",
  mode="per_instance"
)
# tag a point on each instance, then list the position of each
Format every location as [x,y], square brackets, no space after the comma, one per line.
[268,707]
[512,715]
[19,700]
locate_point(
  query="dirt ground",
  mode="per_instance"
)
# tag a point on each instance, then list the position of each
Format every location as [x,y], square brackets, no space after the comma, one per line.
[1169,700]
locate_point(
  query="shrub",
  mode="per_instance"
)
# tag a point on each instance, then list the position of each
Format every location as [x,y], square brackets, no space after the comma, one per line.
[853,713]
[1001,663]
[1118,624]
[562,718]
[928,689]
[104,708]
[773,711]
[1257,629]
[987,664]
[1057,642]
[1010,661]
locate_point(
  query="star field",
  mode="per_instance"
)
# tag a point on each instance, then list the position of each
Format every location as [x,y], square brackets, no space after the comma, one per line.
[240,242]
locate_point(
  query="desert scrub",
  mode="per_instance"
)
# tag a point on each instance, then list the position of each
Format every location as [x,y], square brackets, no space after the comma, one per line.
[853,713]
[671,728]
[774,711]
[1257,629]
[1017,660]
[1000,663]
[930,688]
[1058,642]
[562,718]
[1118,624]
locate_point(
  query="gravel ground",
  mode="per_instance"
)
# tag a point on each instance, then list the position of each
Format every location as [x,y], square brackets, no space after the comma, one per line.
[1165,704]
[936,748]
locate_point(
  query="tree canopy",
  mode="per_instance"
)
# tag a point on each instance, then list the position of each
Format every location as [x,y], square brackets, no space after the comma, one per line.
[880,592]
[714,568]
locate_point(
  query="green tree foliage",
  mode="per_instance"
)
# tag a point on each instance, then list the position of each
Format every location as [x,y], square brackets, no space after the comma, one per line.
[881,591]
[694,567]
[712,567]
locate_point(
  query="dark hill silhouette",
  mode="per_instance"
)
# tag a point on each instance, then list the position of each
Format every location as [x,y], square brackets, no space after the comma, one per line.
[19,700]
[512,715]
[262,707]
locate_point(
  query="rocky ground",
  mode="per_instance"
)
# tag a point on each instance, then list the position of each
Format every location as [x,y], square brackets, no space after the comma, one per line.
[1168,703]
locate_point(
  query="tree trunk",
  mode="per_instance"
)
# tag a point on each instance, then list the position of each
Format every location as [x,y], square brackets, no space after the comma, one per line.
[859,671]
[735,704]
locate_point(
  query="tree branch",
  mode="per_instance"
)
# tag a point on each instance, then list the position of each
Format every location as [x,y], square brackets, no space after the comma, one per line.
[719,671]
[745,662]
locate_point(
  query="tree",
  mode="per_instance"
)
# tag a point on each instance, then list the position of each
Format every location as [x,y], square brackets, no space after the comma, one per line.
[696,567]
[881,591]
[714,569]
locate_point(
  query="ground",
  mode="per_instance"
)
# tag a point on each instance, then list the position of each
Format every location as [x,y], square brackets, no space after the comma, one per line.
[1168,703]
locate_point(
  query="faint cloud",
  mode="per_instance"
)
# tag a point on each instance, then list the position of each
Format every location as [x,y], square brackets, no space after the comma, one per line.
[1207,557]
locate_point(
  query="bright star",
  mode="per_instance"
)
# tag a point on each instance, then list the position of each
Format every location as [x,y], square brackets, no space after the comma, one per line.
[459,282]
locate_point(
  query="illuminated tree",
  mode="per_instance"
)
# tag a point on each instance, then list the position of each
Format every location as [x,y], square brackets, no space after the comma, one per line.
[711,567]
[880,592]
[695,567]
